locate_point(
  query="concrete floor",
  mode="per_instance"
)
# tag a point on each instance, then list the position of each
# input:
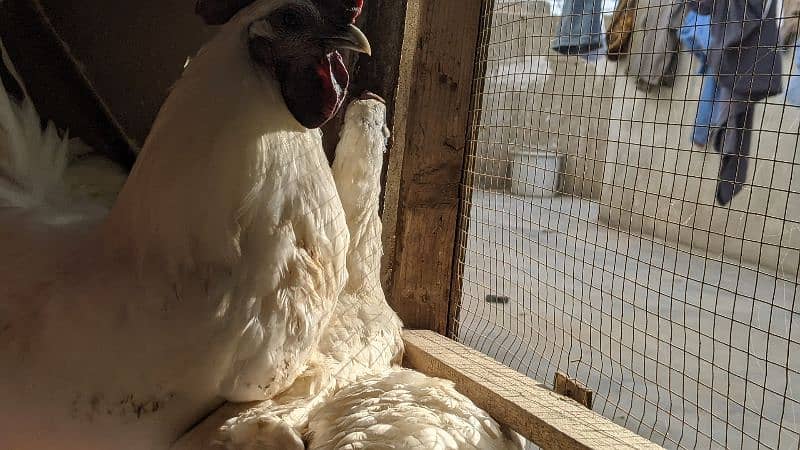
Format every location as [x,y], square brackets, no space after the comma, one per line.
[686,349]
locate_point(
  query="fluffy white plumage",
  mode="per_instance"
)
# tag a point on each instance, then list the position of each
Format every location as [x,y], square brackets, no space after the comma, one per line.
[403,409]
[363,335]
[32,159]
[219,274]
[355,396]
[211,279]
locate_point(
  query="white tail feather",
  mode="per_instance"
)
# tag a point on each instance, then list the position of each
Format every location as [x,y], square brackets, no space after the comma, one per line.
[32,159]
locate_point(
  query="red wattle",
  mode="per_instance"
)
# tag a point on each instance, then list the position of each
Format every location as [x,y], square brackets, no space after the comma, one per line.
[334,81]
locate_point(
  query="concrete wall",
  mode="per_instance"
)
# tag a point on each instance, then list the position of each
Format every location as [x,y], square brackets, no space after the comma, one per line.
[656,183]
[632,150]
[536,99]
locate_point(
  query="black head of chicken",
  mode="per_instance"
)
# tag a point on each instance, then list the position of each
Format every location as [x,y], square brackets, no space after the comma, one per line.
[298,41]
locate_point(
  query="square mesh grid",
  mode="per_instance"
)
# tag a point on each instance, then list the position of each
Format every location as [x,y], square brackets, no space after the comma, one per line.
[601,238]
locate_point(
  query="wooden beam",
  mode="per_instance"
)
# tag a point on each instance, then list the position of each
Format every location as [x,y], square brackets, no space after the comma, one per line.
[464,207]
[549,420]
[431,122]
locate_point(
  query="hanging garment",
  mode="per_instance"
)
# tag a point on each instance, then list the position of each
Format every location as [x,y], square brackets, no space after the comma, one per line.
[705,110]
[654,43]
[732,127]
[790,22]
[581,28]
[744,47]
[695,36]
[744,56]
[618,35]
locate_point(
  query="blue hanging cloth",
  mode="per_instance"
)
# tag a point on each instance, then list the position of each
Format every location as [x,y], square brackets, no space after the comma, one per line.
[793,88]
[695,36]
[581,29]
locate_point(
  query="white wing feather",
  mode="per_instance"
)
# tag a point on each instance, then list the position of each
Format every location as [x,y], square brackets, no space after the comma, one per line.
[403,409]
[32,159]
[360,399]
[211,279]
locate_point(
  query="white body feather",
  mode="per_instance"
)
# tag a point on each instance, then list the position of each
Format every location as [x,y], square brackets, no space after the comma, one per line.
[32,160]
[403,409]
[211,280]
[355,396]
[363,335]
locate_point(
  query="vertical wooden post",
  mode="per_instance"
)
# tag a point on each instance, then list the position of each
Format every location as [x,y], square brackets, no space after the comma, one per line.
[464,210]
[432,114]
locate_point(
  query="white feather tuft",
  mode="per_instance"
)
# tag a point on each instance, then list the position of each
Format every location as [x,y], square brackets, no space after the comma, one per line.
[32,159]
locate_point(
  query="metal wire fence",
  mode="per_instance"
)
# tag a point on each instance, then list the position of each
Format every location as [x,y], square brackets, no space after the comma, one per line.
[632,214]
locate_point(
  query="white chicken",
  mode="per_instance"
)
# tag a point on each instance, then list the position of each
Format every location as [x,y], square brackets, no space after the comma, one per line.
[216,274]
[404,409]
[217,269]
[355,395]
[364,334]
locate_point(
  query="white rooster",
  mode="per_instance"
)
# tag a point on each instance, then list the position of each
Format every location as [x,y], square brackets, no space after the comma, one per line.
[218,267]
[215,274]
[354,395]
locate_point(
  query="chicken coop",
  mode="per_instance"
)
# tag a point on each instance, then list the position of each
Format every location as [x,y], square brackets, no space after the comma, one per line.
[568,195]
[591,220]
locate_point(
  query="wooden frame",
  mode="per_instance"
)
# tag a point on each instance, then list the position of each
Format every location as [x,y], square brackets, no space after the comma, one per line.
[435,107]
[547,419]
[431,104]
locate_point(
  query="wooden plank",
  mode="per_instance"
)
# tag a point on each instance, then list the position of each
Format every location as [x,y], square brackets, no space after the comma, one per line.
[465,200]
[383,21]
[440,43]
[550,420]
[394,169]
[572,388]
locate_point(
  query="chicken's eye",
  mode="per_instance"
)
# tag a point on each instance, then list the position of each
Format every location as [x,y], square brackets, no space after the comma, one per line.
[290,19]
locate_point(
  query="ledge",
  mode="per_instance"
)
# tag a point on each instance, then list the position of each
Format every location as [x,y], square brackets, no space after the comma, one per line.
[549,420]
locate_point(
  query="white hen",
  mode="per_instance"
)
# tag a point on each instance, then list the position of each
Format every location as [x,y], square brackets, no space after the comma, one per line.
[403,409]
[216,270]
[355,396]
[363,335]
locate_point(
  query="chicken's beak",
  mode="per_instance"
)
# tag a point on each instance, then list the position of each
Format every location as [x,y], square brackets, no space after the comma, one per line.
[350,39]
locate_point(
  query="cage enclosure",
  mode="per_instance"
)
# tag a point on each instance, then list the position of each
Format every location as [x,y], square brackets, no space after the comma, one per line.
[600,192]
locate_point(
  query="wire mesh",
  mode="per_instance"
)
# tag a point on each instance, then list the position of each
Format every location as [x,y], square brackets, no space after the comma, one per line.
[632,211]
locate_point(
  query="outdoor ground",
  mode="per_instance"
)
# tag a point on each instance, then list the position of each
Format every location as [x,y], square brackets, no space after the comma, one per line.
[686,349]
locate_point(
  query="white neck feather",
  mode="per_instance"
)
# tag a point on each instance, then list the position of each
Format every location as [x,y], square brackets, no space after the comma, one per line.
[192,190]
[357,171]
